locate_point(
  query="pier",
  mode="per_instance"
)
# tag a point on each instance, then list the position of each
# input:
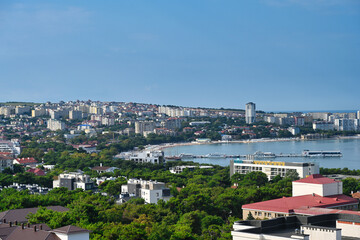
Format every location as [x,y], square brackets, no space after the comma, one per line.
[247,156]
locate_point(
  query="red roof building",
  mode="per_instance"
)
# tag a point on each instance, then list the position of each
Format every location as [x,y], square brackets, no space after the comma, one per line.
[36,171]
[316,179]
[25,161]
[314,191]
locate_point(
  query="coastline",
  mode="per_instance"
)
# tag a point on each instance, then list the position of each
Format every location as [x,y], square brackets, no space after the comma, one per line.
[170,145]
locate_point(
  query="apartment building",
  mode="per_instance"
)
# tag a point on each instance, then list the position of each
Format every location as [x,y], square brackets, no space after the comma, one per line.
[150,191]
[73,180]
[250,112]
[180,169]
[147,156]
[6,161]
[346,124]
[323,125]
[272,168]
[55,125]
[10,147]
[144,127]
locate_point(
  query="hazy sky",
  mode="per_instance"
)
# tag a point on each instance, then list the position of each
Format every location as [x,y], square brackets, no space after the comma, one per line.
[280,54]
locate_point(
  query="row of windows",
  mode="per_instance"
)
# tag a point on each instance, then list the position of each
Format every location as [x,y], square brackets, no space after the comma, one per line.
[319,229]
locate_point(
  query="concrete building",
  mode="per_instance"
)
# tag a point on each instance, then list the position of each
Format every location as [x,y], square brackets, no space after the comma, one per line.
[314,191]
[10,147]
[194,124]
[144,127]
[6,161]
[146,156]
[73,180]
[299,121]
[272,169]
[107,121]
[326,225]
[172,123]
[150,191]
[73,114]
[180,169]
[155,157]
[58,113]
[323,125]
[317,184]
[22,109]
[346,124]
[38,112]
[294,130]
[324,116]
[358,114]
[7,110]
[250,112]
[55,125]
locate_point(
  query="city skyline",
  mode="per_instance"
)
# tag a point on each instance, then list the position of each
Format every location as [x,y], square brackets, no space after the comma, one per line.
[283,55]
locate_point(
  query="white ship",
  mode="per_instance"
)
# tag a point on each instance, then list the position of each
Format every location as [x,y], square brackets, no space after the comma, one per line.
[215,155]
[260,154]
[308,153]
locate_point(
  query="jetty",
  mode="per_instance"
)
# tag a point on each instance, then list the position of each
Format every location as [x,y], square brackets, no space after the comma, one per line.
[256,155]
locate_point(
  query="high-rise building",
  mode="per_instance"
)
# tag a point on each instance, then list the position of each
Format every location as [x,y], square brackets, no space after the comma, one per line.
[55,125]
[250,113]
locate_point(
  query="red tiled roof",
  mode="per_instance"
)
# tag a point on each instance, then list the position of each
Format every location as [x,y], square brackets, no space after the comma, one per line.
[316,179]
[288,204]
[26,160]
[98,168]
[37,171]
[319,211]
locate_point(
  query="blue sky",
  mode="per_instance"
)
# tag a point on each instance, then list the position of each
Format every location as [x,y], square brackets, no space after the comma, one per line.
[280,54]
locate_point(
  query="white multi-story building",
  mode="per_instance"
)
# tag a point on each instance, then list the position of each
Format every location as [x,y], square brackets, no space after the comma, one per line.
[358,114]
[150,191]
[144,127]
[107,121]
[55,125]
[38,112]
[156,157]
[272,168]
[324,116]
[12,147]
[73,180]
[322,125]
[22,109]
[5,162]
[73,114]
[146,156]
[345,124]
[294,130]
[250,112]
[317,184]
[7,110]
[180,169]
[194,124]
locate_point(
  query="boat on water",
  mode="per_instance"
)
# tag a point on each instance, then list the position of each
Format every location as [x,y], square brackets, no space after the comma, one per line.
[259,154]
[215,155]
[308,153]
[172,158]
[186,155]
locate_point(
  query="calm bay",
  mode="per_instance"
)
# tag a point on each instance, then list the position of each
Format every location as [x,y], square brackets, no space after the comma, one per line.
[350,149]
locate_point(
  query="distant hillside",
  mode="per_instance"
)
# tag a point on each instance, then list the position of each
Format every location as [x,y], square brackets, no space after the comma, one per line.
[18,103]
